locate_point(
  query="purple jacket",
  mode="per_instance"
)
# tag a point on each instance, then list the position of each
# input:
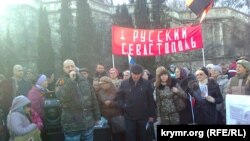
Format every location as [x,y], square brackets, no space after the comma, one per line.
[18,122]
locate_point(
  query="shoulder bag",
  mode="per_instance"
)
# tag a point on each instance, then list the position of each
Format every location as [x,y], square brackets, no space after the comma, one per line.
[34,135]
[118,124]
[179,102]
[31,136]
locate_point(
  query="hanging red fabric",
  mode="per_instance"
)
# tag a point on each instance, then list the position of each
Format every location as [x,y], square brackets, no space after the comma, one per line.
[154,42]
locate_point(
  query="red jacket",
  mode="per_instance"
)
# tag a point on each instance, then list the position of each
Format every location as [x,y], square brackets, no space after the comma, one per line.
[36,96]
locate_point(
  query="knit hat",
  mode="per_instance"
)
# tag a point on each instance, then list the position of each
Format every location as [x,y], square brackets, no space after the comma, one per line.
[136,69]
[245,64]
[41,79]
[84,69]
[172,66]
[187,70]
[19,102]
[243,58]
[209,66]
[217,68]
[204,69]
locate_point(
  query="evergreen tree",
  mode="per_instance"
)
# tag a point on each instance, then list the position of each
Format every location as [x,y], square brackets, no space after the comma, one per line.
[156,13]
[66,28]
[142,21]
[45,51]
[85,35]
[117,16]
[22,24]
[2,64]
[10,55]
[124,19]
[141,14]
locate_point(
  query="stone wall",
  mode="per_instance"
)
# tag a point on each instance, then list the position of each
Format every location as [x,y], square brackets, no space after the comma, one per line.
[225,36]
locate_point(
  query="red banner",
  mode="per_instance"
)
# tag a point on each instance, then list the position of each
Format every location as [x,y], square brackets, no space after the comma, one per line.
[143,42]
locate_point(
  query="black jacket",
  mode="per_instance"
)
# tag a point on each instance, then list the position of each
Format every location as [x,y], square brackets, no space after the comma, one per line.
[205,112]
[137,100]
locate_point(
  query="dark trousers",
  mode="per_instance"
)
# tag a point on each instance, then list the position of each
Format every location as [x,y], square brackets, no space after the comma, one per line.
[4,133]
[118,136]
[136,130]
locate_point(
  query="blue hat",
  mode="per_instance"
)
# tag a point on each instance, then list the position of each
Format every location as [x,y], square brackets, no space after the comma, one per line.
[41,79]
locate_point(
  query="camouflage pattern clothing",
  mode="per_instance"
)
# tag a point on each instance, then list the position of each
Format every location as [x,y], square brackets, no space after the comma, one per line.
[80,108]
[166,109]
[117,82]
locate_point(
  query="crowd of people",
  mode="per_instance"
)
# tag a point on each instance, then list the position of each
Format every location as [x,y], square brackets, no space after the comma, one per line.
[172,95]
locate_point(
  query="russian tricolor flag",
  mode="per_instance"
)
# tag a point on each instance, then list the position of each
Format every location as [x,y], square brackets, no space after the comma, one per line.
[131,60]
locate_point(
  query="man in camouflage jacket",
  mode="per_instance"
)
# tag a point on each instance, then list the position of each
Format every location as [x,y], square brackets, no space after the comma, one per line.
[80,109]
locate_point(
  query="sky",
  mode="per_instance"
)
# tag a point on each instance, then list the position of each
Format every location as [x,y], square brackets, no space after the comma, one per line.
[5,3]
[120,2]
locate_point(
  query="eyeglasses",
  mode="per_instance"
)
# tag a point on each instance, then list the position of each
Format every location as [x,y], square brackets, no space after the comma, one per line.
[199,74]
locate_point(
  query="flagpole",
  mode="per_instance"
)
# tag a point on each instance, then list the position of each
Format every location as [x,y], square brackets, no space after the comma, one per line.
[192,108]
[113,60]
[128,61]
[203,56]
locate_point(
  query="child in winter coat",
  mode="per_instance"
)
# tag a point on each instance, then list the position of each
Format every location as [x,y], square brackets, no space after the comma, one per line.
[19,121]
